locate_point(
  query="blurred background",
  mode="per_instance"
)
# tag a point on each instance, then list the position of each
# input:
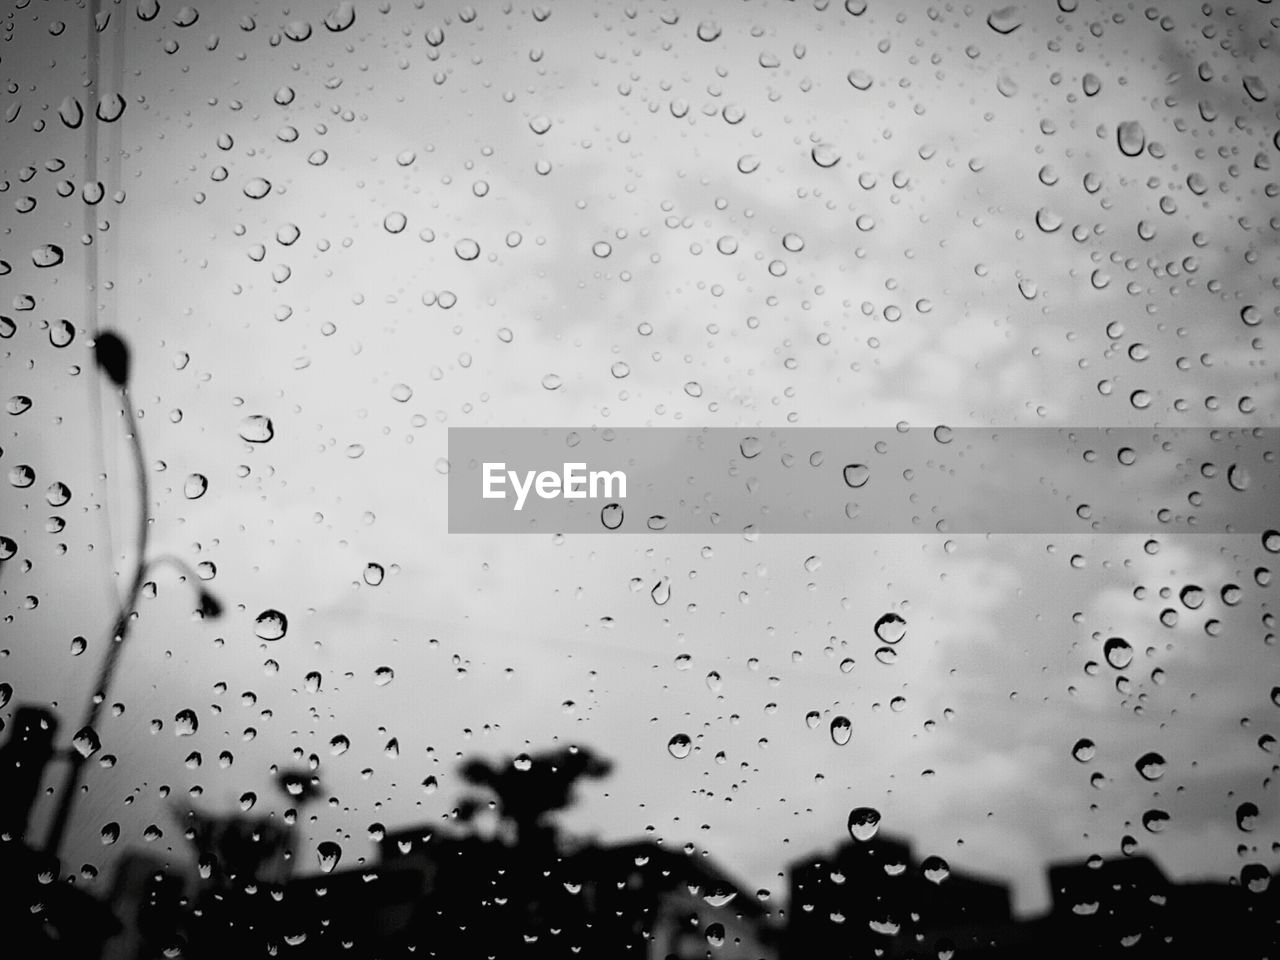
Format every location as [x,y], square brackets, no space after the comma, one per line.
[327,232]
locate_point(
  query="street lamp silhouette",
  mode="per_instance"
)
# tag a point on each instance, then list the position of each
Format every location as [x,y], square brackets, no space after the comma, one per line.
[111,355]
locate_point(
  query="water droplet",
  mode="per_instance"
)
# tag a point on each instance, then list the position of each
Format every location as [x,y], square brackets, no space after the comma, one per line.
[61,333]
[1118,652]
[715,934]
[680,746]
[341,17]
[661,591]
[1155,820]
[1005,20]
[890,628]
[860,79]
[71,113]
[1247,816]
[1131,138]
[1255,88]
[864,822]
[86,742]
[257,429]
[841,731]
[540,124]
[17,405]
[185,723]
[611,516]
[47,255]
[329,854]
[195,486]
[1255,877]
[257,188]
[708,30]
[825,155]
[110,107]
[466,249]
[601,249]
[338,745]
[1238,477]
[271,625]
[1150,766]
[1192,596]
[935,869]
[856,475]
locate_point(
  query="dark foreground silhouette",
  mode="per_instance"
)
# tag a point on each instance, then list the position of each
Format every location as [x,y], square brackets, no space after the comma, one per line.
[499,880]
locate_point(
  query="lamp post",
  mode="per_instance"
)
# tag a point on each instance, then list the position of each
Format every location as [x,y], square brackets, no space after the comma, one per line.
[112,358]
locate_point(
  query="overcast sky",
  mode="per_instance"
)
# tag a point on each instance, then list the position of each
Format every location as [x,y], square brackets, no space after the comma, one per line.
[650,214]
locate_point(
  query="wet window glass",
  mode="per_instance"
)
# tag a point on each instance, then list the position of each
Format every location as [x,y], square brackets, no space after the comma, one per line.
[639,479]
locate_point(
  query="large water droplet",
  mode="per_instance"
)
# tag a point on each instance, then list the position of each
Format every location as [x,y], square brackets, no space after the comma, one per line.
[341,17]
[86,742]
[661,591]
[185,723]
[680,746]
[1131,138]
[1247,816]
[863,823]
[1118,652]
[935,869]
[271,625]
[841,731]
[47,255]
[1005,20]
[856,475]
[890,628]
[611,516]
[257,429]
[329,854]
[1150,766]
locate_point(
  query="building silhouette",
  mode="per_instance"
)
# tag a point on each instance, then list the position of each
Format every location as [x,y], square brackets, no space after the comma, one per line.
[497,879]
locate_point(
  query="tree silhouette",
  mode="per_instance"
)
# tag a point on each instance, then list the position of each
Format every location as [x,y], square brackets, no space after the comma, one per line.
[530,788]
